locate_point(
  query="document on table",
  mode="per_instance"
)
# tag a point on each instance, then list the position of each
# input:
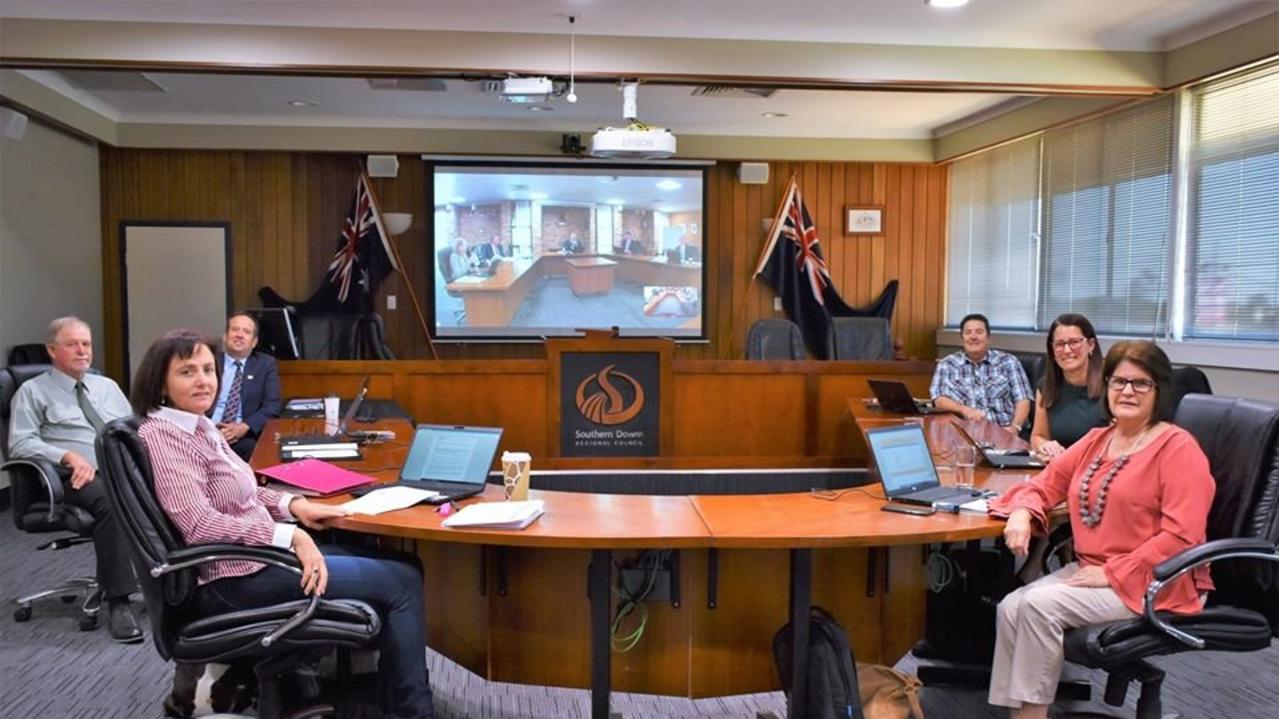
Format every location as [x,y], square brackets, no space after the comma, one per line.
[468,280]
[305,404]
[977,506]
[498,515]
[390,499]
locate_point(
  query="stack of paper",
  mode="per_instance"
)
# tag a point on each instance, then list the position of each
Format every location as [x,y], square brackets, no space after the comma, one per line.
[498,515]
[389,500]
[305,404]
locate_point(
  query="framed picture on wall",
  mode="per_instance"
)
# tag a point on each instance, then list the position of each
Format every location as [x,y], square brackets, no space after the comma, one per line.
[864,219]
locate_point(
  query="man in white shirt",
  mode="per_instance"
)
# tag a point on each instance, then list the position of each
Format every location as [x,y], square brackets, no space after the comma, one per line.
[56,417]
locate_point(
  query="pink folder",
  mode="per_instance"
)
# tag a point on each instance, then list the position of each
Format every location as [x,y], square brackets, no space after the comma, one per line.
[316,477]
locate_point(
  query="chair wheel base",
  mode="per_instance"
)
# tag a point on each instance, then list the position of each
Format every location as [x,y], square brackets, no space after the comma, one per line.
[68,598]
[88,624]
[22,614]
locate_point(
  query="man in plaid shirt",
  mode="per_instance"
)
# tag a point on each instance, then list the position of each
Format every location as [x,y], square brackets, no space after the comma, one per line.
[982,383]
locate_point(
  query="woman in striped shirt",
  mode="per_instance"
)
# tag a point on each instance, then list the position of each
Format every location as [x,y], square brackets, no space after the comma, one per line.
[210,495]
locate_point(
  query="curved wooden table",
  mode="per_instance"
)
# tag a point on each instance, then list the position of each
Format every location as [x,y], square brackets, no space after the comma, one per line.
[601,523]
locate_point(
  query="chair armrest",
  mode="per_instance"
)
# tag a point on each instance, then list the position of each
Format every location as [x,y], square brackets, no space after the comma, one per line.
[49,474]
[188,557]
[1217,550]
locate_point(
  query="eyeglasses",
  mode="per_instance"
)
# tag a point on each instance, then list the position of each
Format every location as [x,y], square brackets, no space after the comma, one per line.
[1073,343]
[1140,386]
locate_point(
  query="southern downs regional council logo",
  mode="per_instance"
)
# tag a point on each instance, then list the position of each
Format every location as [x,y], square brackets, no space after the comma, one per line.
[605,404]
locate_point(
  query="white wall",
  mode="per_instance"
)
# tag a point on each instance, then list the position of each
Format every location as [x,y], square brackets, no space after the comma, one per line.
[50,236]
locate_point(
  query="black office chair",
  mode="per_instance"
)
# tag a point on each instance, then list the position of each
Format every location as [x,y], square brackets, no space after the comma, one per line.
[1188,380]
[774,339]
[36,489]
[860,338]
[1033,366]
[442,258]
[1241,439]
[371,338]
[34,353]
[278,638]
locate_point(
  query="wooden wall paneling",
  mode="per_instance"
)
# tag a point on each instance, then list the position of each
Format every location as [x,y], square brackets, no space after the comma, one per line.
[286,210]
[840,585]
[835,429]
[456,595]
[904,601]
[659,662]
[732,643]
[767,414]
[539,632]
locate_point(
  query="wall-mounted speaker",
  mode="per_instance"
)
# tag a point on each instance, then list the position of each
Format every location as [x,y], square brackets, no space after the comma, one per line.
[752,173]
[13,124]
[384,165]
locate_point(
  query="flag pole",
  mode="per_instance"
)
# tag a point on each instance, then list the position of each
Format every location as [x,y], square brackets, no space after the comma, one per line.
[775,229]
[399,265]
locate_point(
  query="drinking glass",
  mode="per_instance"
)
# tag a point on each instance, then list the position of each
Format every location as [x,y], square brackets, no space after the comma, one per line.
[965,465]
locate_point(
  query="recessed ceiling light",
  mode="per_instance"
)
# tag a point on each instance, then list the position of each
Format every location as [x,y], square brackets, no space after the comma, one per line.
[773,114]
[538,196]
[668,185]
[615,201]
[303,103]
[540,108]
[946,3]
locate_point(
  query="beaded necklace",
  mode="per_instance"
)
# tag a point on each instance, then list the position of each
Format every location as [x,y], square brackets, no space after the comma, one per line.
[1092,518]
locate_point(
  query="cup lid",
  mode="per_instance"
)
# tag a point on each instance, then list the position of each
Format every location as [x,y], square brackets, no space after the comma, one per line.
[517,457]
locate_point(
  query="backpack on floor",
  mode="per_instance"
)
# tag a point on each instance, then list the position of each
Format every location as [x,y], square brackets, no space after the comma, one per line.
[832,681]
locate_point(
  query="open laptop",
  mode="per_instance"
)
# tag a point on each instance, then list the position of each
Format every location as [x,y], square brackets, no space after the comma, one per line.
[342,445]
[895,397]
[453,460]
[1001,458]
[905,467]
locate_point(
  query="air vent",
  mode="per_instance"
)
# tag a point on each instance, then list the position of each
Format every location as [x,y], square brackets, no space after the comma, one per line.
[107,80]
[413,84]
[733,91]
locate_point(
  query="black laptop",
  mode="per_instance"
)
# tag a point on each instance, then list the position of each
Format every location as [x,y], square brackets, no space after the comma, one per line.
[1001,458]
[895,397]
[905,467]
[453,460]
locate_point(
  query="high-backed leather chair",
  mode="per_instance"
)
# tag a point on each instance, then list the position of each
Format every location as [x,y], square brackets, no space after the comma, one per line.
[36,489]
[774,339]
[1240,437]
[329,335]
[277,638]
[34,353]
[1188,380]
[442,257]
[860,338]
[371,338]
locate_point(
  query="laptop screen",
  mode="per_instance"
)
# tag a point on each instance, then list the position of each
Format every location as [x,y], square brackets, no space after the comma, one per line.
[447,453]
[901,455]
[354,409]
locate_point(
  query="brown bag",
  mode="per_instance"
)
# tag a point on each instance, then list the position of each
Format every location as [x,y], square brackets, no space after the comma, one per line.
[888,693]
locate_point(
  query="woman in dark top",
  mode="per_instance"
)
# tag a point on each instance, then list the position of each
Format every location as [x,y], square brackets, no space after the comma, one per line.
[1068,402]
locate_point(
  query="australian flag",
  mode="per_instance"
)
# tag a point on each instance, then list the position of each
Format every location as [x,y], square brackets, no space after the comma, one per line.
[792,263]
[362,259]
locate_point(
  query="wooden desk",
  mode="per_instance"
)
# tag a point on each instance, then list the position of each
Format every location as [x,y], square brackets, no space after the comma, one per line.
[656,271]
[510,605]
[493,301]
[590,275]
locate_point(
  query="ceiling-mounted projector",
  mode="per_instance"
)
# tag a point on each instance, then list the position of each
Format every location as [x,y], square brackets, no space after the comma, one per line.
[636,140]
[654,143]
[527,90]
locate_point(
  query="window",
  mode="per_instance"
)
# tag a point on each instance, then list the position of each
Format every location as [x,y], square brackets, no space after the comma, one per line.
[1107,188]
[1233,252]
[994,221]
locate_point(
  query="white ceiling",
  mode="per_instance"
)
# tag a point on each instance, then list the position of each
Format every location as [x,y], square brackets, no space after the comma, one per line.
[1062,24]
[350,102]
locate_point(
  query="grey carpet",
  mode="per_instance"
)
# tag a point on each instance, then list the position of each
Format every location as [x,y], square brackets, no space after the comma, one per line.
[49,669]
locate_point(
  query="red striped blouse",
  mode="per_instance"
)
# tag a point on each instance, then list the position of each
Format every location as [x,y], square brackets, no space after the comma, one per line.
[209,493]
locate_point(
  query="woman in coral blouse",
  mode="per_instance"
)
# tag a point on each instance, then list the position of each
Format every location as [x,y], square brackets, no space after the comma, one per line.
[1138,492]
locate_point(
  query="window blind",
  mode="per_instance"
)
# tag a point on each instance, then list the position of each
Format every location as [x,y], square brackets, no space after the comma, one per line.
[1107,243]
[993,242]
[1233,240]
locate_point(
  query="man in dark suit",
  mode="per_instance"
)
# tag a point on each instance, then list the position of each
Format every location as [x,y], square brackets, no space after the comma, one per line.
[630,245]
[493,250]
[248,389]
[684,252]
[572,245]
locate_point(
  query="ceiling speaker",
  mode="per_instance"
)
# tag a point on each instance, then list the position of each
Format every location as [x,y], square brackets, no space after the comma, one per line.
[384,165]
[13,124]
[753,173]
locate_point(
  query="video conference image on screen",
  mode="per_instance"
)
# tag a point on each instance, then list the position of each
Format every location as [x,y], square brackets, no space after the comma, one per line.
[547,251]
